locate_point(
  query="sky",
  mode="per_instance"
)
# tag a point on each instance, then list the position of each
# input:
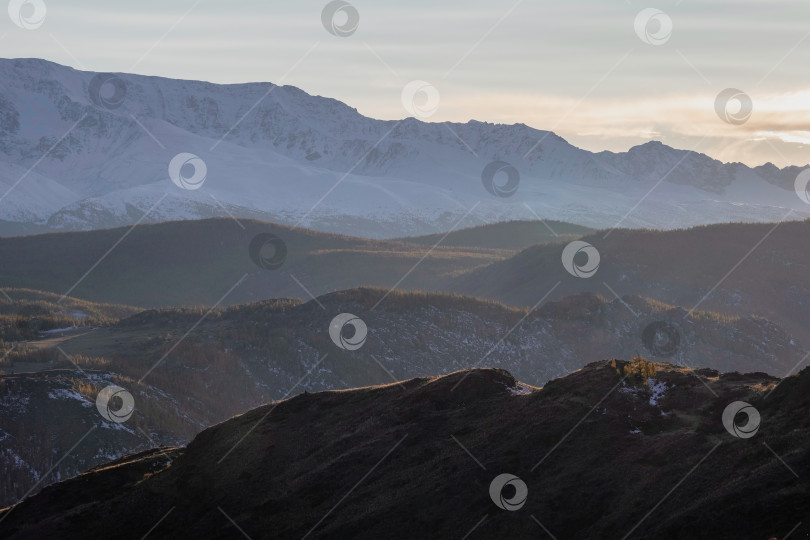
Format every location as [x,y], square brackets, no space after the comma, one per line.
[605,75]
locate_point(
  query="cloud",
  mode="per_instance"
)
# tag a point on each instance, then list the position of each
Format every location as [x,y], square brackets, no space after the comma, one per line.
[680,120]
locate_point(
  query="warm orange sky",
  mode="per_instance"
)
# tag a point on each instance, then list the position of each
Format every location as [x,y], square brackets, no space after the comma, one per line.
[588,70]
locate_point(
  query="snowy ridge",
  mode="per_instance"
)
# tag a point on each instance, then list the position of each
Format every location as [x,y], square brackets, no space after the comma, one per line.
[280,154]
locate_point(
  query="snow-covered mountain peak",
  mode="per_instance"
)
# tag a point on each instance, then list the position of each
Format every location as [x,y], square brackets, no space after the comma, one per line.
[99,146]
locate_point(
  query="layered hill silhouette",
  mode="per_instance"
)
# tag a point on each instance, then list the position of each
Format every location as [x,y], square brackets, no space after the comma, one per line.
[598,453]
[188,369]
[742,309]
[227,361]
[509,235]
[736,269]
[732,269]
[196,262]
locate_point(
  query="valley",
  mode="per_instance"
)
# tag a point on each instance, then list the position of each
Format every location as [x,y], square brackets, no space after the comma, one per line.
[189,368]
[357,270]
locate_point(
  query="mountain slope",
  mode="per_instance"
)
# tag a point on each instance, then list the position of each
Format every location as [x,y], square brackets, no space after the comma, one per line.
[44,416]
[510,235]
[279,154]
[26,313]
[186,371]
[418,460]
[735,269]
[196,262]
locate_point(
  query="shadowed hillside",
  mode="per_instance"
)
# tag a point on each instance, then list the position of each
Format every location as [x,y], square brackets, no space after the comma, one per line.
[735,269]
[188,369]
[419,460]
[510,235]
[25,313]
[196,262]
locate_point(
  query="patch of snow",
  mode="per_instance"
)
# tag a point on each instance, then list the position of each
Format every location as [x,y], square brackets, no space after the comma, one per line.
[64,393]
[521,389]
[116,426]
[18,462]
[14,403]
[57,330]
[658,390]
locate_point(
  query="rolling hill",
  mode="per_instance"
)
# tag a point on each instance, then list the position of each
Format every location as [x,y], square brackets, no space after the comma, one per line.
[754,269]
[473,453]
[188,369]
[734,269]
[26,313]
[197,262]
[509,235]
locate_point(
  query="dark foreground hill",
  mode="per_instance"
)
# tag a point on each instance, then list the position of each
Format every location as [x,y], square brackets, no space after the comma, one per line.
[595,454]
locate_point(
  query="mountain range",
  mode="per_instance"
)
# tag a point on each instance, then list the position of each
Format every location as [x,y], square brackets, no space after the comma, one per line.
[83,150]
[246,309]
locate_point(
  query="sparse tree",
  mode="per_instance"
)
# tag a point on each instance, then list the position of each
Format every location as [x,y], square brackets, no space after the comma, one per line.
[640,370]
